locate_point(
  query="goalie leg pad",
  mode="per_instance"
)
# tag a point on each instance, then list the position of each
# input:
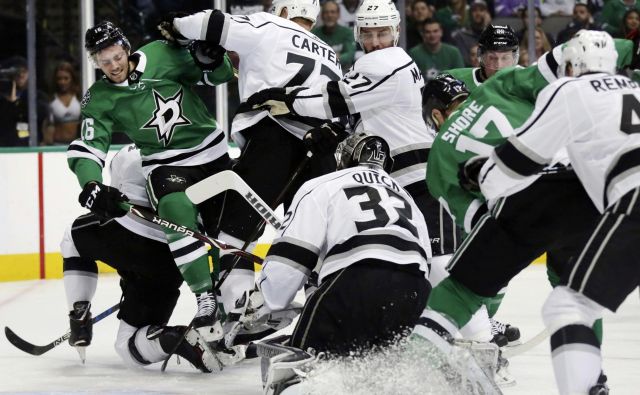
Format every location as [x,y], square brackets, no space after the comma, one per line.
[282,366]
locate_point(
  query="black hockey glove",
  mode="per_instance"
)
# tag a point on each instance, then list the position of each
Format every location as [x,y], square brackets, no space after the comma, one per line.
[324,139]
[279,101]
[468,173]
[207,56]
[169,32]
[102,200]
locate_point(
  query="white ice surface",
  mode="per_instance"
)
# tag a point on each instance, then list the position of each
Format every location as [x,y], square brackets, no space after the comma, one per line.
[36,310]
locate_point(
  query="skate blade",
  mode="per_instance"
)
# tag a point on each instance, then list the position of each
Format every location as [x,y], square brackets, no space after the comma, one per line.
[82,353]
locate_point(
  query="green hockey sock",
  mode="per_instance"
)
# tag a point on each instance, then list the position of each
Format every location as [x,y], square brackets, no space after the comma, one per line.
[455,301]
[493,304]
[189,254]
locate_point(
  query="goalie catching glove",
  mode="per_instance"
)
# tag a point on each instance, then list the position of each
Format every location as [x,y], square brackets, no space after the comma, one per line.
[324,139]
[279,101]
[169,32]
[469,171]
[102,200]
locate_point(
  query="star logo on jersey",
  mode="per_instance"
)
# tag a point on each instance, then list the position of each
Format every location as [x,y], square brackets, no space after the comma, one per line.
[167,116]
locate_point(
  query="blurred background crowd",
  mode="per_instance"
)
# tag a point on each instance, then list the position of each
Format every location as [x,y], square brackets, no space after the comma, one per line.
[439,35]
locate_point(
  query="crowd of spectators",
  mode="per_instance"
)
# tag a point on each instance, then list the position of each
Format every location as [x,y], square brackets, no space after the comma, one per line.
[440,35]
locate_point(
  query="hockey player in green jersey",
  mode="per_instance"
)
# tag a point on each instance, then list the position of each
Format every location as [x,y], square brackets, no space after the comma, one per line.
[498,48]
[506,239]
[148,96]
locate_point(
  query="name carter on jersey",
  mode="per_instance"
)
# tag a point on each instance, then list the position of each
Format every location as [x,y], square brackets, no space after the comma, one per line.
[303,43]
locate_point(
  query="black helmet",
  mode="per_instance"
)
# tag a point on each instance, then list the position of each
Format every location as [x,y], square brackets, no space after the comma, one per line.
[439,93]
[103,35]
[498,38]
[363,149]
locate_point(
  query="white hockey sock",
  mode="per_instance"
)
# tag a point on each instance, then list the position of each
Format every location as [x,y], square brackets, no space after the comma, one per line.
[239,280]
[439,269]
[150,350]
[479,327]
[577,362]
[79,284]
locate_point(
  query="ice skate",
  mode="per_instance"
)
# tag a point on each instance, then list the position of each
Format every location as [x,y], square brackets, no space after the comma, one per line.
[81,327]
[191,347]
[504,334]
[206,321]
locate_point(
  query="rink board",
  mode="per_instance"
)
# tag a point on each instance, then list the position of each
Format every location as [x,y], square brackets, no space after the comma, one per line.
[38,202]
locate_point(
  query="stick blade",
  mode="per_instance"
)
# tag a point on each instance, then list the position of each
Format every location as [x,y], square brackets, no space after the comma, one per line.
[24,345]
[210,186]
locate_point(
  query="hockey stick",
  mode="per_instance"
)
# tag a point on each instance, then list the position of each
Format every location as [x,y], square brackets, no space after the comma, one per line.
[225,180]
[514,351]
[149,216]
[254,234]
[33,349]
[259,226]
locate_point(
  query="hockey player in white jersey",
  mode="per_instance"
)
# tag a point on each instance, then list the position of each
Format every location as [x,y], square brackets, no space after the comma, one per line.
[381,92]
[370,242]
[595,117]
[150,280]
[276,49]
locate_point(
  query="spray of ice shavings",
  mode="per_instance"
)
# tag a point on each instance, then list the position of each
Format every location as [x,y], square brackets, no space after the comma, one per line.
[406,368]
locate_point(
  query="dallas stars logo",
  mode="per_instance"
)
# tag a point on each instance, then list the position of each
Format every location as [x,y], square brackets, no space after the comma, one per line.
[167,116]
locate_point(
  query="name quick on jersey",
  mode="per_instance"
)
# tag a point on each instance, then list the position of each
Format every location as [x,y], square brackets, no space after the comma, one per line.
[303,43]
[612,84]
[371,177]
[464,119]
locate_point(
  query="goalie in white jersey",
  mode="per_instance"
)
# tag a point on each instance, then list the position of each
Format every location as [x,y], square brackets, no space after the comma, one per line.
[595,117]
[276,50]
[381,92]
[368,239]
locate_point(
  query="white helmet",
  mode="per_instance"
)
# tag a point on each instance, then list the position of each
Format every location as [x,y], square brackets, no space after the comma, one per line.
[307,9]
[590,51]
[377,13]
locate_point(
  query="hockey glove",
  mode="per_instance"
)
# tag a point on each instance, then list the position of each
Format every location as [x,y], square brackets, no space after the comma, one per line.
[324,139]
[468,173]
[169,32]
[206,56]
[102,200]
[279,101]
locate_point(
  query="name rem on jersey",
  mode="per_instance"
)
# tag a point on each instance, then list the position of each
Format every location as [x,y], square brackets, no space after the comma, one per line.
[313,47]
[464,120]
[613,84]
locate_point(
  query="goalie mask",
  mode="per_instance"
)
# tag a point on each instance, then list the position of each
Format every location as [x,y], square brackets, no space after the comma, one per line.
[590,51]
[498,47]
[364,149]
[439,94]
[377,13]
[307,9]
[103,35]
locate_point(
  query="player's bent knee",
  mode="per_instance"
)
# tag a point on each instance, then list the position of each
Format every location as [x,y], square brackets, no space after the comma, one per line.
[564,306]
[67,246]
[125,332]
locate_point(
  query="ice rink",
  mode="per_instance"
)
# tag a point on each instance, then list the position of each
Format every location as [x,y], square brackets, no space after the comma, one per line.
[36,310]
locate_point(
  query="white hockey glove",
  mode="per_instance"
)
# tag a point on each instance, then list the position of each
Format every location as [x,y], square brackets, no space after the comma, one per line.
[254,317]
